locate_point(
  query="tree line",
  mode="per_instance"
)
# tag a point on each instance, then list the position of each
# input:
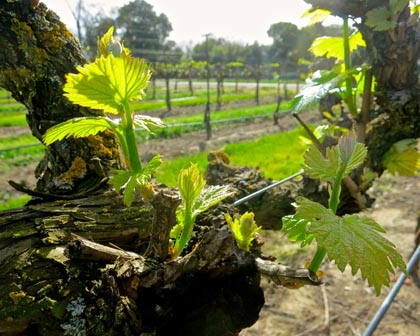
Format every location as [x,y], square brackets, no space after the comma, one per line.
[146,34]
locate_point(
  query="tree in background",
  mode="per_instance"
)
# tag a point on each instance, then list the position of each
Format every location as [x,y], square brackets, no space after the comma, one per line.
[166,71]
[79,13]
[285,36]
[220,72]
[143,31]
[236,70]
[220,50]
[95,25]
[254,58]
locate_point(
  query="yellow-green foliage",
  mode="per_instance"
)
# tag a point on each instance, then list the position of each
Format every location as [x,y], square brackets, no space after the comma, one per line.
[243,229]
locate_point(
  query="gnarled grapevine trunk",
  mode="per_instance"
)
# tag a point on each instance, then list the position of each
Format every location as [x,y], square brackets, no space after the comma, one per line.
[37,51]
[54,282]
[75,260]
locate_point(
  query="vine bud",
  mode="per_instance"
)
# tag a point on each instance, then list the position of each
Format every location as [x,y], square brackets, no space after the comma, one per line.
[114,47]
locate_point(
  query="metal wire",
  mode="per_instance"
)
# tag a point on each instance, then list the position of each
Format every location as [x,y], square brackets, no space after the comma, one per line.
[391,296]
[263,190]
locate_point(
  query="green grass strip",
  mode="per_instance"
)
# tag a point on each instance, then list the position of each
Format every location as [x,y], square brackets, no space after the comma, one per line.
[200,98]
[16,141]
[179,125]
[277,156]
[13,203]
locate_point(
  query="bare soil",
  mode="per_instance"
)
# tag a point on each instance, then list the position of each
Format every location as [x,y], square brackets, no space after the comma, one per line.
[344,305]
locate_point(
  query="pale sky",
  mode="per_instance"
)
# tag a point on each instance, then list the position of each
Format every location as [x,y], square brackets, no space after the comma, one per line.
[236,20]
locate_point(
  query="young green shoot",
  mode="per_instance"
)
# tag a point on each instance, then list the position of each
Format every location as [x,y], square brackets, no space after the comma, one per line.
[353,240]
[339,80]
[111,83]
[243,229]
[196,198]
[348,81]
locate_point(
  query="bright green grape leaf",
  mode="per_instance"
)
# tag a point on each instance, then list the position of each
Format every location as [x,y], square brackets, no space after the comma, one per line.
[403,158]
[190,183]
[78,127]
[150,168]
[329,46]
[177,229]
[340,159]
[209,196]
[321,84]
[131,181]
[309,210]
[360,79]
[316,15]
[146,122]
[380,19]
[104,41]
[108,82]
[120,179]
[127,180]
[108,44]
[128,193]
[296,230]
[319,167]
[352,153]
[243,229]
[296,226]
[356,40]
[356,241]
[195,199]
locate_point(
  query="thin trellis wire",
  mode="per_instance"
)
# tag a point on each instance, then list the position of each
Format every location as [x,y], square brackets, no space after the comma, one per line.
[391,295]
[263,190]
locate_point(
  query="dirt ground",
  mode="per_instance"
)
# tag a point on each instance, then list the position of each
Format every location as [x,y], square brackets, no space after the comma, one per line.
[344,305]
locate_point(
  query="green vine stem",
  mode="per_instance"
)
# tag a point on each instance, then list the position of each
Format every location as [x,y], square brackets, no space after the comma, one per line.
[363,119]
[133,155]
[317,259]
[334,199]
[347,65]
[333,203]
[186,232]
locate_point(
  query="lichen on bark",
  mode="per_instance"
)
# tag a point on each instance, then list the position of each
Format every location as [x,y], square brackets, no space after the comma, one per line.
[37,51]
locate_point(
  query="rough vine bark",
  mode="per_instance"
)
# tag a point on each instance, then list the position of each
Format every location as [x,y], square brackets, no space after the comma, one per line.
[75,256]
[46,271]
[37,51]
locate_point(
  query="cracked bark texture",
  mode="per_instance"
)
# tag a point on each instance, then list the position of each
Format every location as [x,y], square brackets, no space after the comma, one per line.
[214,291]
[37,51]
[47,275]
